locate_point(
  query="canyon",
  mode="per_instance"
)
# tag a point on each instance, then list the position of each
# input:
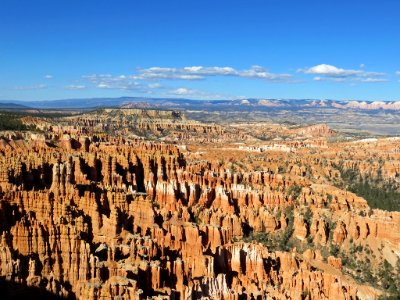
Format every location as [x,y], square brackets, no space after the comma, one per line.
[138,203]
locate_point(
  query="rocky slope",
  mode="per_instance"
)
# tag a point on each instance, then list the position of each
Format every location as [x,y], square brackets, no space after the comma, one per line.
[93,216]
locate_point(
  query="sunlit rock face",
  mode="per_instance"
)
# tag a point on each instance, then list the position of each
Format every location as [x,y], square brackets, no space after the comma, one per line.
[93,216]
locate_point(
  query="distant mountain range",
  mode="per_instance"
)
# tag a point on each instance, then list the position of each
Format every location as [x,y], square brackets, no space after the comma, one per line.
[8,105]
[189,104]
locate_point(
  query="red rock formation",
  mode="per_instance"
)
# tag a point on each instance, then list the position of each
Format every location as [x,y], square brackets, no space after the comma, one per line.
[104,216]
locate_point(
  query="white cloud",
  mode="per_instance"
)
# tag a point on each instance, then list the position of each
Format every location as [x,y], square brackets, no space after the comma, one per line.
[164,73]
[199,94]
[182,91]
[139,81]
[103,86]
[200,72]
[75,87]
[154,86]
[329,70]
[147,80]
[48,76]
[123,83]
[334,73]
[398,73]
[373,80]
[192,73]
[108,81]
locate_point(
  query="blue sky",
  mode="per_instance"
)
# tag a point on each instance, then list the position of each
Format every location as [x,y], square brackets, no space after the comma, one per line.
[200,49]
